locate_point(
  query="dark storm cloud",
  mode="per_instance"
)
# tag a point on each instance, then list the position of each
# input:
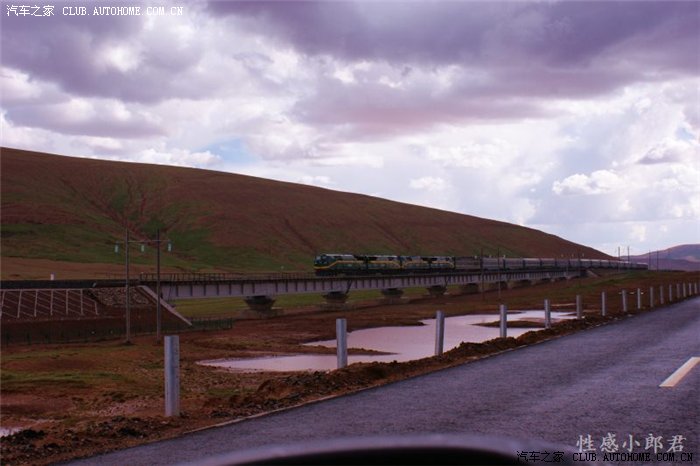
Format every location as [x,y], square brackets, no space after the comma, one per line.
[439,33]
[527,53]
[379,110]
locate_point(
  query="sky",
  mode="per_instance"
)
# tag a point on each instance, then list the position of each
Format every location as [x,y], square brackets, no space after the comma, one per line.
[581,119]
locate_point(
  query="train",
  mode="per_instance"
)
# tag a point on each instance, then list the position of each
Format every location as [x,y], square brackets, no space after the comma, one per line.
[328,264]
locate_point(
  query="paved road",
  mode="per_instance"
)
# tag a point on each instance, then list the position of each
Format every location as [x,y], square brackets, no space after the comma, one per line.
[599,381]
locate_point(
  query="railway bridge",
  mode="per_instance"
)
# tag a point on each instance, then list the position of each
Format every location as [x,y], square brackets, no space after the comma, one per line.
[18,297]
[260,292]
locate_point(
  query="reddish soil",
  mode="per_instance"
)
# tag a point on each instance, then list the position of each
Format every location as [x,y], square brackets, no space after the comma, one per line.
[16,268]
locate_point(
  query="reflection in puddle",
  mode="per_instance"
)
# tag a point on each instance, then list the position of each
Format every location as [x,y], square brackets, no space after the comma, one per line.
[6,431]
[403,343]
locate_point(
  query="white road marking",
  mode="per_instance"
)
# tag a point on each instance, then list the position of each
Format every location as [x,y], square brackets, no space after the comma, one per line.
[680,372]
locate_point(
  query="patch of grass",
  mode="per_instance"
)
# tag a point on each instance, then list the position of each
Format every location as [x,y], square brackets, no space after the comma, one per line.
[200,253]
[107,351]
[226,392]
[119,198]
[152,365]
[14,381]
[51,354]
[72,243]
[210,307]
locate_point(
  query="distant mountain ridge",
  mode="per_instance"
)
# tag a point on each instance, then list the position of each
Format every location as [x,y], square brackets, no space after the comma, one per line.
[684,257]
[74,210]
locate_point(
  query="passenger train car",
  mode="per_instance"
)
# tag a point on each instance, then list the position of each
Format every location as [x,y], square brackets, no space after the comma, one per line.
[362,264]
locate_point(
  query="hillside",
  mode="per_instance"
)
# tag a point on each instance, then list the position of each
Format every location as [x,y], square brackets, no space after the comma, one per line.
[73,210]
[684,257]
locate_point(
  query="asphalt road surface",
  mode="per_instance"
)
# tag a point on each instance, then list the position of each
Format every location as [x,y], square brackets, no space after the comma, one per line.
[595,383]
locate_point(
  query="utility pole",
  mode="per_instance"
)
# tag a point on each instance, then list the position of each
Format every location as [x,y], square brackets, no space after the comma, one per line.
[481,265]
[579,261]
[158,314]
[143,243]
[498,263]
[128,300]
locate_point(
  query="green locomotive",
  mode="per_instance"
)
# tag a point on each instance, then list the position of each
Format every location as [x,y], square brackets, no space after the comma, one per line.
[357,264]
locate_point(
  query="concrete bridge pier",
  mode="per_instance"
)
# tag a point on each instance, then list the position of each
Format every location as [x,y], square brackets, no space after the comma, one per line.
[436,291]
[519,284]
[392,295]
[261,304]
[491,286]
[335,300]
[469,288]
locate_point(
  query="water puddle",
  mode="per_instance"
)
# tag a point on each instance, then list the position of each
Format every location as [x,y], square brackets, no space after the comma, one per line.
[402,343]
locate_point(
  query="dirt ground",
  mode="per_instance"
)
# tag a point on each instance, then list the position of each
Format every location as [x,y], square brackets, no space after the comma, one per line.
[81,399]
[20,268]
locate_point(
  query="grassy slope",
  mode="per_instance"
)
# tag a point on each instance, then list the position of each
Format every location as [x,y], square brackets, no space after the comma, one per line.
[74,209]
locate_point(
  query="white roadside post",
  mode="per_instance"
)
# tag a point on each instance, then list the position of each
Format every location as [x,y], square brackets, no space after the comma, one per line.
[504,321]
[341,334]
[547,314]
[603,304]
[439,332]
[172,375]
[579,307]
[624,301]
[651,297]
[639,299]
[661,295]
[670,293]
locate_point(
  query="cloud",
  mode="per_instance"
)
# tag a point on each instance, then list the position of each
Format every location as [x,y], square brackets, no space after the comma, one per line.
[429,183]
[376,106]
[119,57]
[87,117]
[670,151]
[638,233]
[316,180]
[457,63]
[183,158]
[472,154]
[459,32]
[598,182]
